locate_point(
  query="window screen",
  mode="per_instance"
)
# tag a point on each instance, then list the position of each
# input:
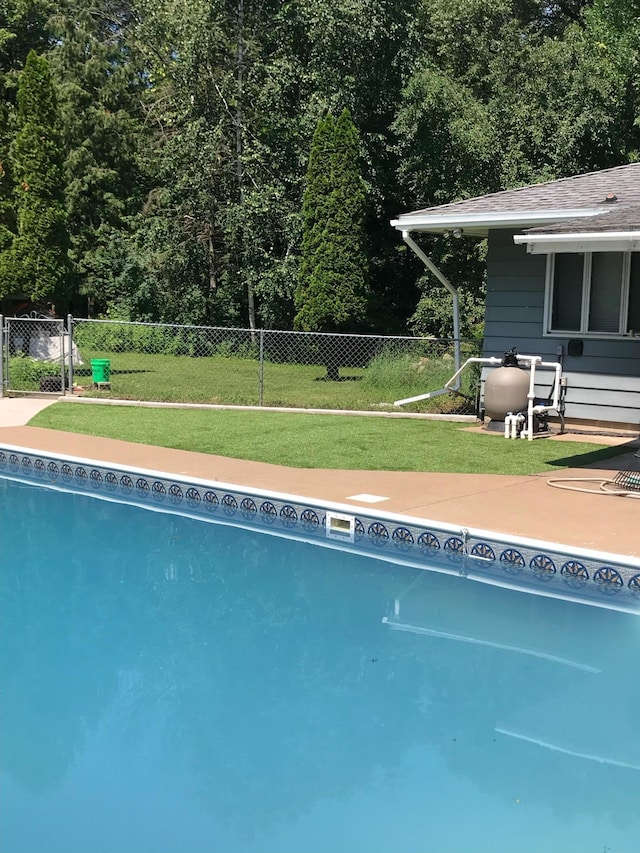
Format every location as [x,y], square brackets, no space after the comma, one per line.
[606,291]
[567,291]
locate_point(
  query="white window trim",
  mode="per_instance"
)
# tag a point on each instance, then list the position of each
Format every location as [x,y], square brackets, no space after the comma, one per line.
[621,334]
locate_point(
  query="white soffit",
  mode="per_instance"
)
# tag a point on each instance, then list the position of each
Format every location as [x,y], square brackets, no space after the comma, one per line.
[478,224]
[594,241]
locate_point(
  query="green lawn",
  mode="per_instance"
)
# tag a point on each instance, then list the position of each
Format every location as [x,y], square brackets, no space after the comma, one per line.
[323,441]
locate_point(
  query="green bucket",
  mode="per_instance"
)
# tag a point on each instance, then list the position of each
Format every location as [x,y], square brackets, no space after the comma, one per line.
[100,370]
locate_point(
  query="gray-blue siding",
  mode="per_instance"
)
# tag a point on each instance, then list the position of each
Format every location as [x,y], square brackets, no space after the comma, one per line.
[603,383]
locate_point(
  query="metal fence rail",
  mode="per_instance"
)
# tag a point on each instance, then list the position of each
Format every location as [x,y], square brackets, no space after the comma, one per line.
[199,364]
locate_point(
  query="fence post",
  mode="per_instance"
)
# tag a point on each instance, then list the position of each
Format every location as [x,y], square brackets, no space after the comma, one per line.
[261,370]
[2,337]
[70,338]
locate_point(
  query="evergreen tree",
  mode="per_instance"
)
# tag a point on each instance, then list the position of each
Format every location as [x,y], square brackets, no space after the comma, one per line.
[99,83]
[37,264]
[315,198]
[23,27]
[333,294]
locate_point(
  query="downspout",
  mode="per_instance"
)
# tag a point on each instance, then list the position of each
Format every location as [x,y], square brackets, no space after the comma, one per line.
[406,236]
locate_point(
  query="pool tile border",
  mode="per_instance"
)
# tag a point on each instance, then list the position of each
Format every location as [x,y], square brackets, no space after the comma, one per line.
[605,580]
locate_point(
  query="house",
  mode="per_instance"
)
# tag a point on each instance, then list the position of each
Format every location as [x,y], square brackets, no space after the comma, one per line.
[563,281]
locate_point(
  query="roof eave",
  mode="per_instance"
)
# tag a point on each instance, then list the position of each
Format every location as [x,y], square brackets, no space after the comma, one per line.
[585,241]
[479,224]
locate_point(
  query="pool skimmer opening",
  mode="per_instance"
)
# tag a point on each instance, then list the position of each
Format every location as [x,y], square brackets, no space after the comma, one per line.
[339,526]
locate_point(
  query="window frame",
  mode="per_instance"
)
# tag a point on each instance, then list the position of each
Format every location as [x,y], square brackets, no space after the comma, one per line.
[583,331]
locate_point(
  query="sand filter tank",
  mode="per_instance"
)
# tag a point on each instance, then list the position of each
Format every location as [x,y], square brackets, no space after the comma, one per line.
[506,389]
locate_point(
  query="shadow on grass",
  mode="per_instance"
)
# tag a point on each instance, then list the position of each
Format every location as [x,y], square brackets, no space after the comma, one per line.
[605,458]
[86,371]
[339,379]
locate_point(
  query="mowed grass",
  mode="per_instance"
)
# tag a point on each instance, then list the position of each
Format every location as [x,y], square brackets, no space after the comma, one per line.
[323,441]
[236,381]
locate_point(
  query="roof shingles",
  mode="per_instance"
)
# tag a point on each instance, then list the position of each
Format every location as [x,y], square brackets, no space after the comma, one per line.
[587,191]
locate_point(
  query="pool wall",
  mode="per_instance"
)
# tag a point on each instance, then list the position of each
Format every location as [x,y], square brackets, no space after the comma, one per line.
[533,566]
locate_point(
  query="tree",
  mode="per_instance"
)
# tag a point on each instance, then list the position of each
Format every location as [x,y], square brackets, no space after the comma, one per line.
[506,94]
[317,191]
[99,83]
[333,291]
[37,262]
[22,28]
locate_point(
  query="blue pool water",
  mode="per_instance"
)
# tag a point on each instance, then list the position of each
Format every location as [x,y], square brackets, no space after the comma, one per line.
[170,685]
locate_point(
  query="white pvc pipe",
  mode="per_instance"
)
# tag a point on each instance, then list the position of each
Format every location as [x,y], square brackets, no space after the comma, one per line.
[511,424]
[531,409]
[422,397]
[556,388]
[448,385]
[530,398]
[476,360]
[512,419]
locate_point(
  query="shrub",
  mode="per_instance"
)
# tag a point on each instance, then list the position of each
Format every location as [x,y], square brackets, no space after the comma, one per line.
[409,372]
[26,372]
[413,373]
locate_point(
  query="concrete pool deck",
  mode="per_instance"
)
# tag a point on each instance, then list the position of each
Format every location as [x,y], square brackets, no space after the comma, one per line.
[521,505]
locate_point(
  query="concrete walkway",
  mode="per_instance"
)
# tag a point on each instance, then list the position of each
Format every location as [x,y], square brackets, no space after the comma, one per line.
[521,505]
[16,411]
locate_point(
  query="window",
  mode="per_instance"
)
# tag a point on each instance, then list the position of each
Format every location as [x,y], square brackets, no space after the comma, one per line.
[593,293]
[634,295]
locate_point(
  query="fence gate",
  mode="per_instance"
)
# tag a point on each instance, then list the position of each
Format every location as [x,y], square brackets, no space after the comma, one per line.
[32,355]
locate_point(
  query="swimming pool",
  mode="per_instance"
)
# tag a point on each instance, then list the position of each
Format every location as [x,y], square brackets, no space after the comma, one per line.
[175,685]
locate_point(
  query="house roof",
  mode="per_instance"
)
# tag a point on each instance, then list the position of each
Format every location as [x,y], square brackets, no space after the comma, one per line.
[553,203]
[619,217]
[615,230]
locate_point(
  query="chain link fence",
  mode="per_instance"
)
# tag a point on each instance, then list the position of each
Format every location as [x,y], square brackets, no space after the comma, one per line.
[233,366]
[34,355]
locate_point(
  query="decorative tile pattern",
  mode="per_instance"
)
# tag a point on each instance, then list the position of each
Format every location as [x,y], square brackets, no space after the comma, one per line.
[575,573]
[268,512]
[403,538]
[248,509]
[211,501]
[193,497]
[558,573]
[484,551]
[229,505]
[609,579]
[309,519]
[454,546]
[512,561]
[428,542]
[175,494]
[288,516]
[378,534]
[543,567]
